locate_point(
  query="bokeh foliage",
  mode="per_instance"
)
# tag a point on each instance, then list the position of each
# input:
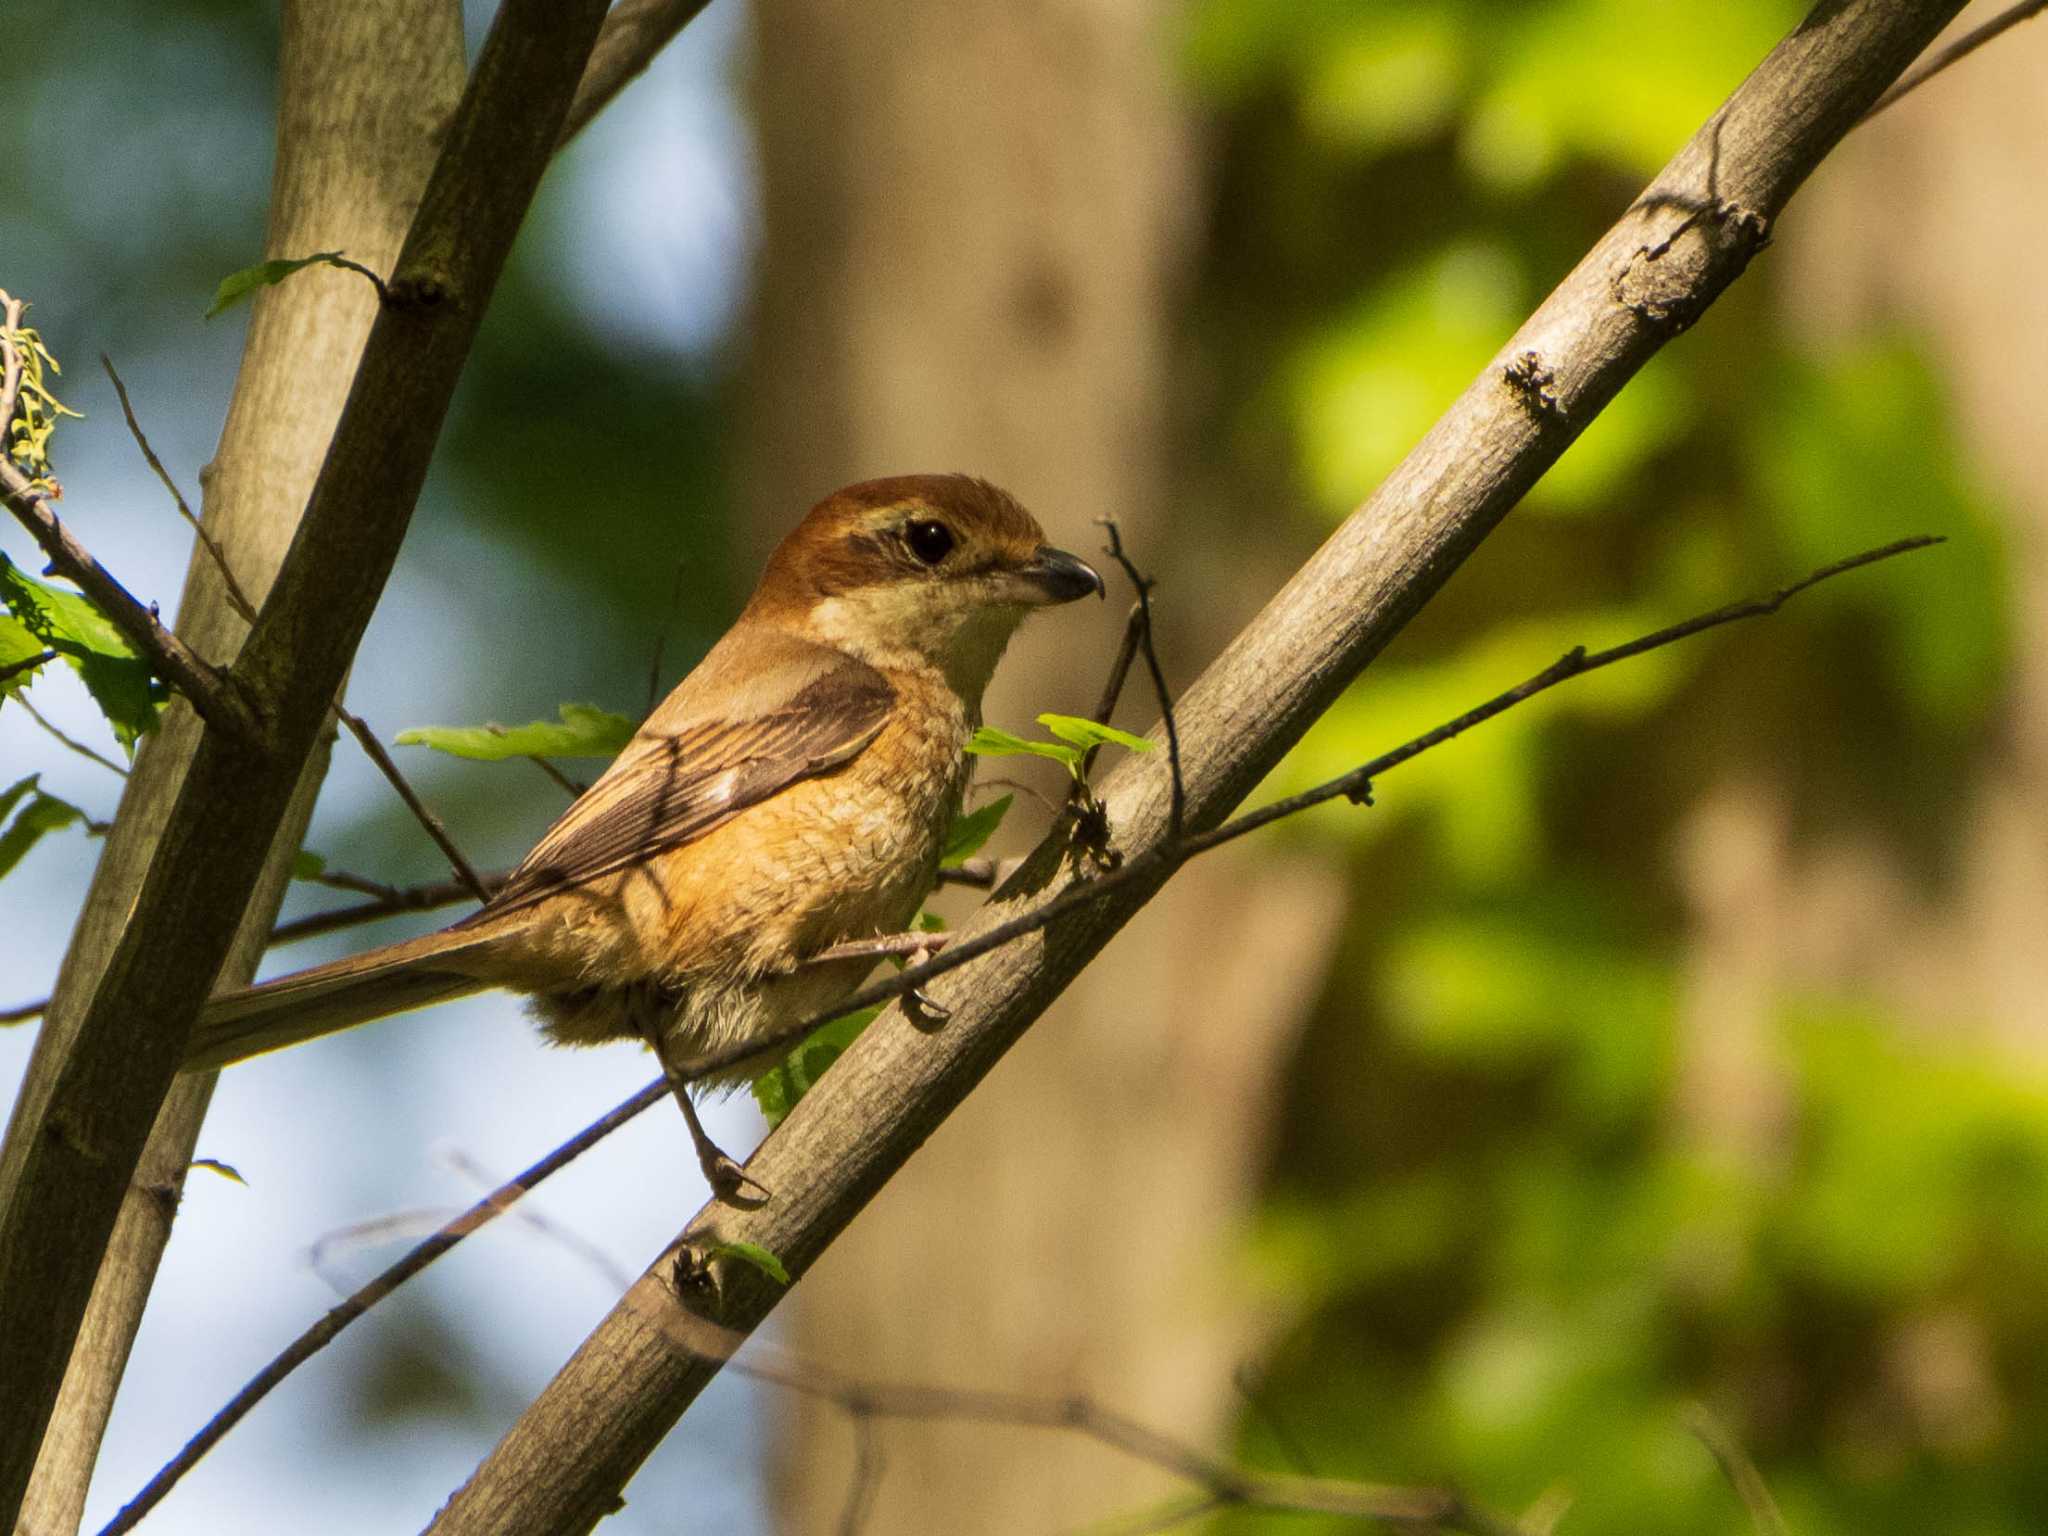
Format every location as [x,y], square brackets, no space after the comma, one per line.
[1492,1252]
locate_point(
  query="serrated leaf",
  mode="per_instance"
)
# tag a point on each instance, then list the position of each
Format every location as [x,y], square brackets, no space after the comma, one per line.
[754,1254]
[68,623]
[237,286]
[779,1088]
[42,813]
[215,1165]
[1086,734]
[583,731]
[965,837]
[989,741]
[17,644]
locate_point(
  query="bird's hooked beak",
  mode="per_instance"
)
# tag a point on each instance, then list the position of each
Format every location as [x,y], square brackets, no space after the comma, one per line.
[1054,576]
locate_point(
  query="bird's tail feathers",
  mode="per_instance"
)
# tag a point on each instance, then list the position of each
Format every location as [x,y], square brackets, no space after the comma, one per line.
[315,1002]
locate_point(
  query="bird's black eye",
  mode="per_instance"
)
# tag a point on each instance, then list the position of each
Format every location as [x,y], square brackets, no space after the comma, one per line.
[931,541]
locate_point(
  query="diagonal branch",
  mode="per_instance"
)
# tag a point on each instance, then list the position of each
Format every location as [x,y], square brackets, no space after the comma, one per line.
[561,1468]
[212,691]
[78,1132]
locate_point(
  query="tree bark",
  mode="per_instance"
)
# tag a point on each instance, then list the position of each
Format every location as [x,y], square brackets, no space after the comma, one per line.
[364,95]
[80,1127]
[561,1468]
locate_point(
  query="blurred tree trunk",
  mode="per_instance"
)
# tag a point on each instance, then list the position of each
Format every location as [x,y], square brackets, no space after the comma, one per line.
[1891,238]
[954,275]
[364,94]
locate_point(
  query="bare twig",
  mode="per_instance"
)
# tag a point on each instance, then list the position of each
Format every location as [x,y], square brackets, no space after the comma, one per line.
[237,598]
[72,742]
[211,690]
[324,1332]
[387,901]
[14,669]
[634,32]
[24,1012]
[570,787]
[867,1476]
[668,619]
[1119,670]
[367,738]
[1957,51]
[1177,807]
[1740,1471]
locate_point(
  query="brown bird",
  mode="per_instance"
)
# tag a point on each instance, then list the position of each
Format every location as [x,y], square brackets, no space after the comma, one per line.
[793,793]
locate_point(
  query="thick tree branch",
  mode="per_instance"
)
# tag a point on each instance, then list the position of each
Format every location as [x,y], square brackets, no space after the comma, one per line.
[75,1142]
[561,1468]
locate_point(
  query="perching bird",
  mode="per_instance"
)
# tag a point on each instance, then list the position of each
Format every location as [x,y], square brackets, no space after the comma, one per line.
[792,793]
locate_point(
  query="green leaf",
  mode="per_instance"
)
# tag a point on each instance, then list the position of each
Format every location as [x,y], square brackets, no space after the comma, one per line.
[11,795]
[778,1089]
[988,741]
[68,623]
[584,731]
[1086,734]
[18,643]
[237,286]
[308,865]
[965,837]
[754,1254]
[42,813]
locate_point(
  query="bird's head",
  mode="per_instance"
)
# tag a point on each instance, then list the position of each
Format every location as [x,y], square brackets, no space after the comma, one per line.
[930,570]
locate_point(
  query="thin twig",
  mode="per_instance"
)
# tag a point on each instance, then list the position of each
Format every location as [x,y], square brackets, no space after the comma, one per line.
[72,742]
[1955,52]
[668,620]
[426,818]
[867,1476]
[323,1333]
[1119,670]
[390,901]
[237,598]
[570,787]
[14,669]
[23,1013]
[1177,807]
[212,691]
[1740,1471]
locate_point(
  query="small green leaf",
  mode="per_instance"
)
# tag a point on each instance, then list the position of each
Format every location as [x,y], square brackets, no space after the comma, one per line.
[754,1254]
[237,286]
[18,644]
[988,741]
[308,865]
[967,834]
[68,623]
[778,1089]
[215,1165]
[929,922]
[584,731]
[1086,733]
[11,795]
[42,813]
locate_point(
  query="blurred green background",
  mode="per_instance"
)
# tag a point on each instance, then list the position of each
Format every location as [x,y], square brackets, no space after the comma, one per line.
[1679,1037]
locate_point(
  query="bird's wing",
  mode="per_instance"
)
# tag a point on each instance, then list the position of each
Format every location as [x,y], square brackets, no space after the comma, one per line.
[709,753]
